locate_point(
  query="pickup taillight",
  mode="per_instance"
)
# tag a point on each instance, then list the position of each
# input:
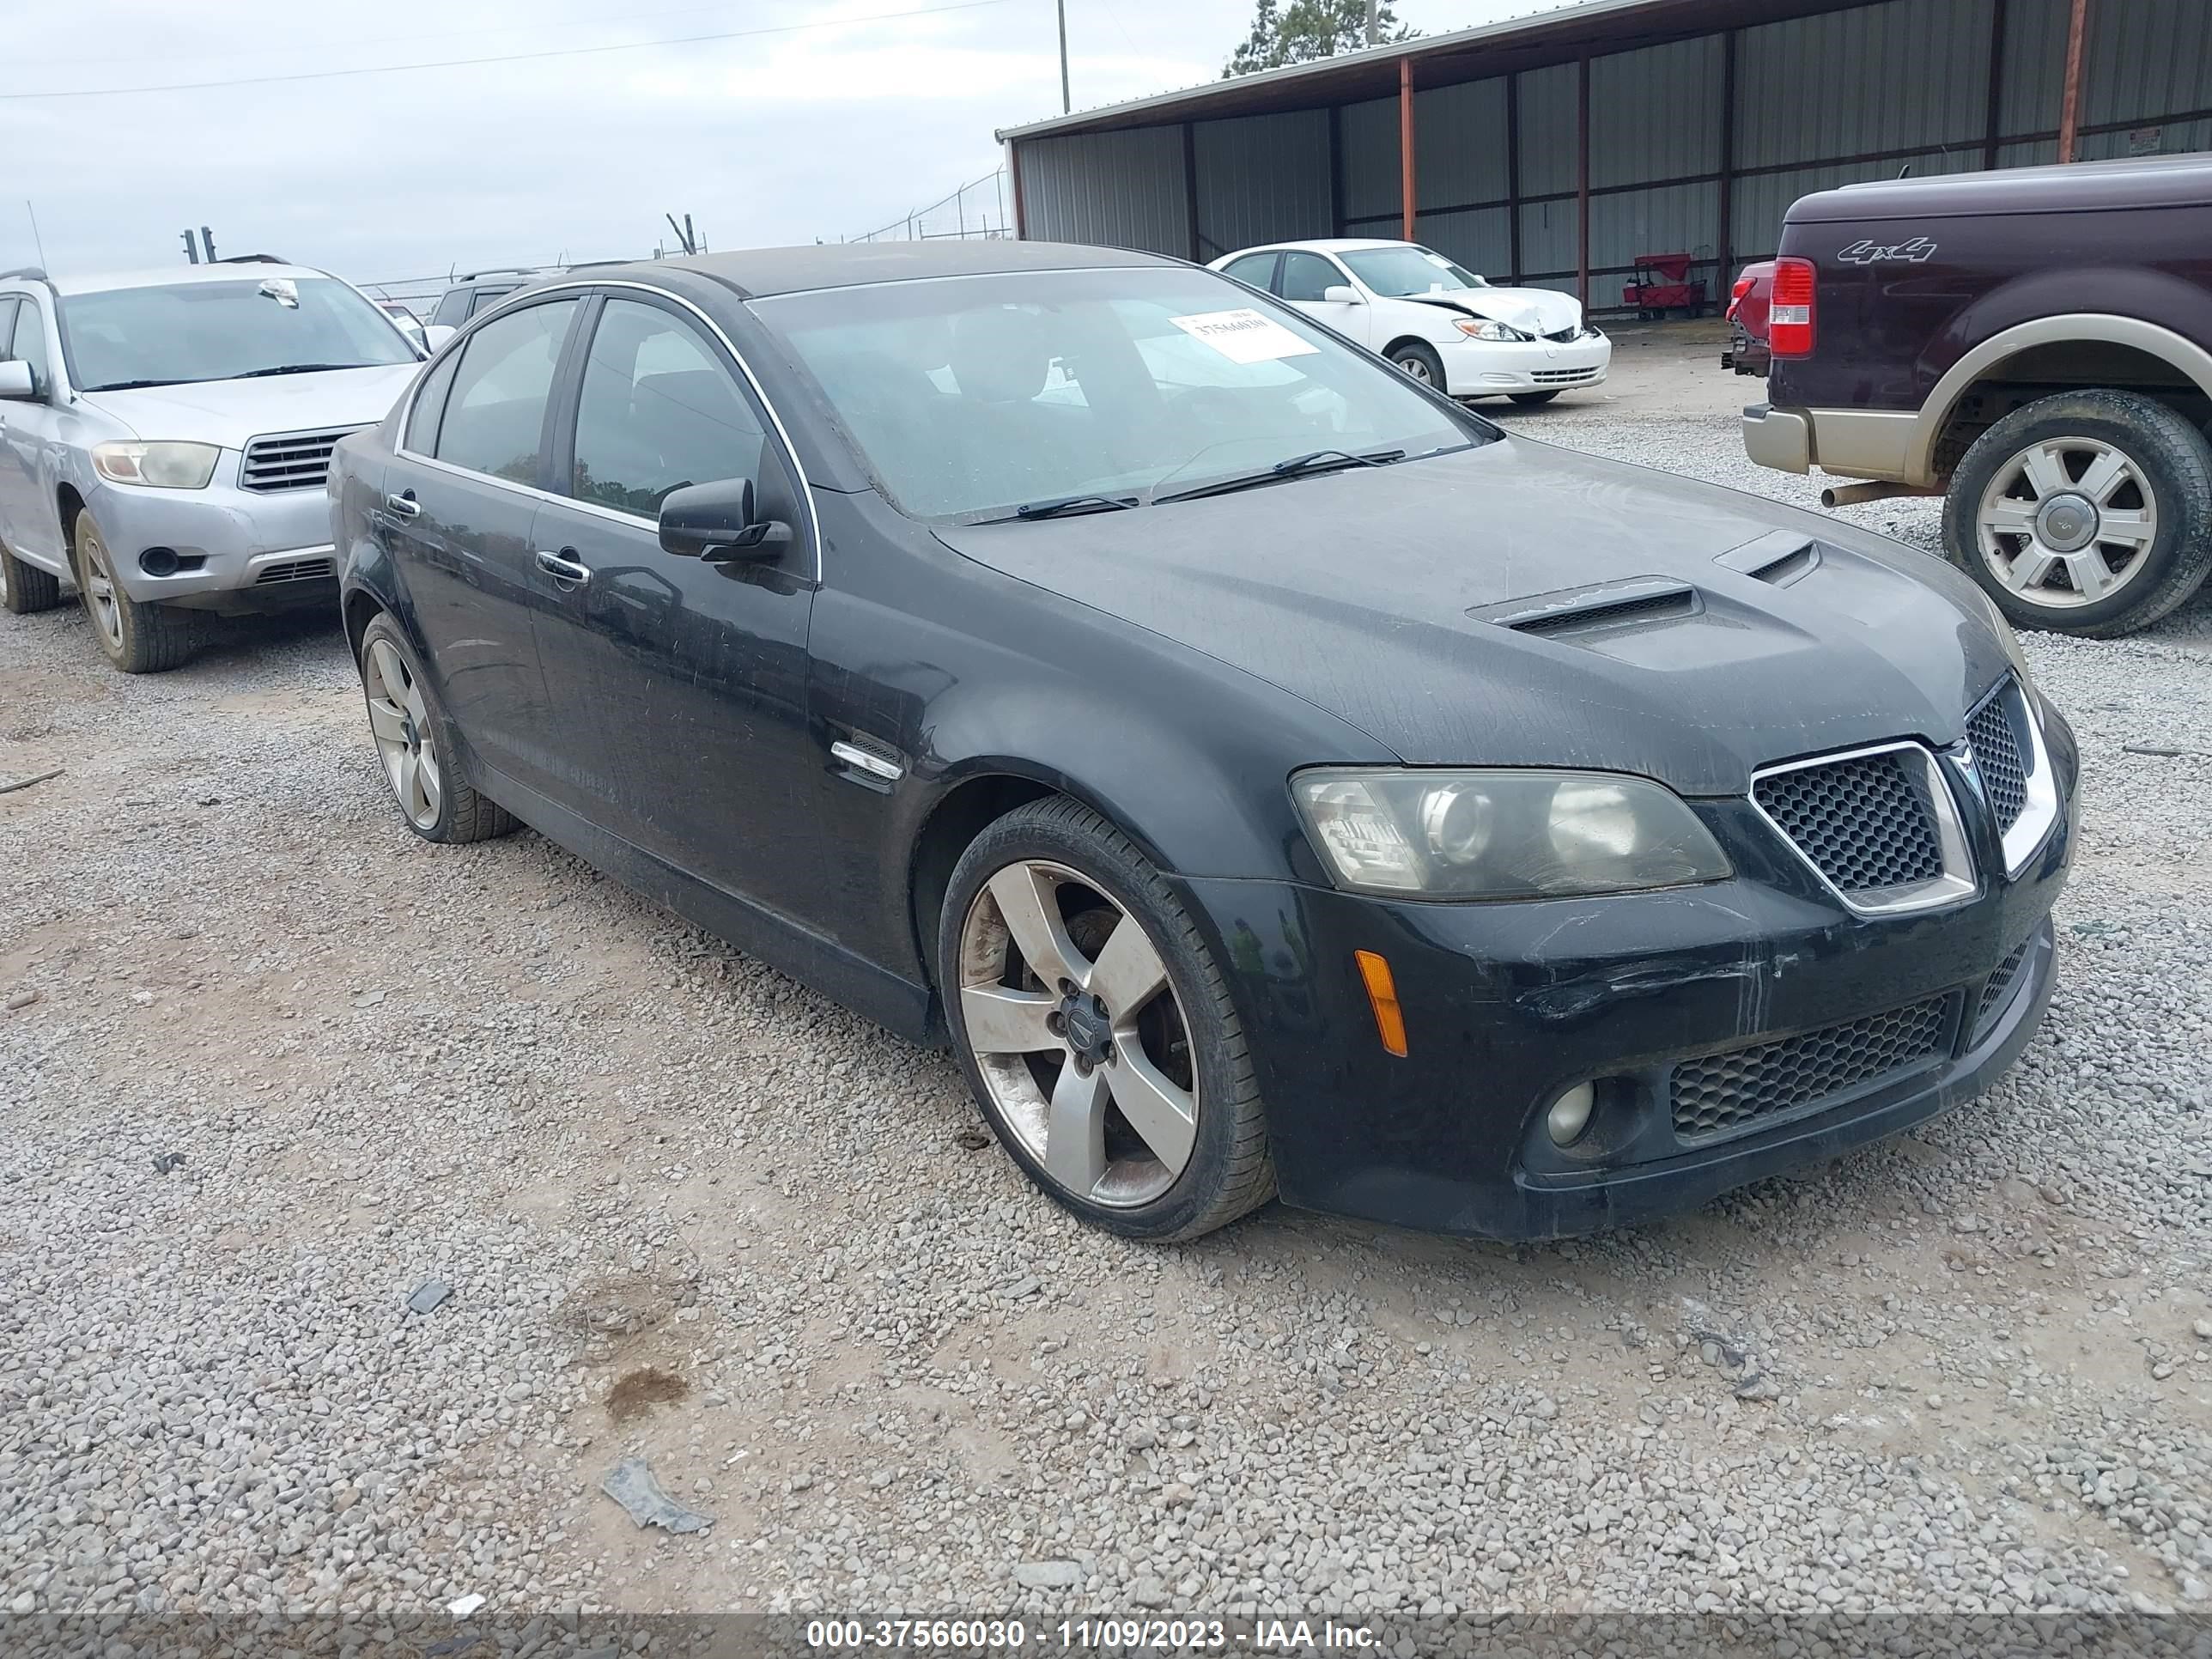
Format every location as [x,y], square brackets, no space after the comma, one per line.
[1789,314]
[1735,297]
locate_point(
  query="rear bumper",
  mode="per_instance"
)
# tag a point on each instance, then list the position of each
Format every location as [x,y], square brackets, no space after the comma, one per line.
[1878,444]
[1779,438]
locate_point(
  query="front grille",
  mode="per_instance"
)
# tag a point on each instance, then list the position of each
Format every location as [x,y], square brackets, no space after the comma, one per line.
[1861,821]
[290,460]
[1997,757]
[1562,376]
[1720,1092]
[1998,989]
[293,570]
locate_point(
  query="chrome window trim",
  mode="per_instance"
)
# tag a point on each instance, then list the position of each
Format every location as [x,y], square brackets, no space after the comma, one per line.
[2039,815]
[1957,883]
[584,290]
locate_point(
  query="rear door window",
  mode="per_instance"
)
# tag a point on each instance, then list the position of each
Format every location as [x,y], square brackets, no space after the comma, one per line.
[494,419]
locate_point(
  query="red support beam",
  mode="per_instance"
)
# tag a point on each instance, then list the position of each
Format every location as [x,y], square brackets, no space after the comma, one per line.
[1726,278]
[2069,103]
[1405,140]
[1582,183]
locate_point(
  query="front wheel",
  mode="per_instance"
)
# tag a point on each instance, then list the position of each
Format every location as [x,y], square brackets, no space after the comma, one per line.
[1417,361]
[1531,400]
[138,637]
[1095,1030]
[2086,512]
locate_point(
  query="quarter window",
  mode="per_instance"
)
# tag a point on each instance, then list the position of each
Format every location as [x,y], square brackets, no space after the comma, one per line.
[429,405]
[658,411]
[495,413]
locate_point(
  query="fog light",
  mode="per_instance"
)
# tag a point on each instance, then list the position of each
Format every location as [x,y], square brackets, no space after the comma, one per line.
[1571,1114]
[158,561]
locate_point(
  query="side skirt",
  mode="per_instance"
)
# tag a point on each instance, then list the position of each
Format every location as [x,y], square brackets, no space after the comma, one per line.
[906,1009]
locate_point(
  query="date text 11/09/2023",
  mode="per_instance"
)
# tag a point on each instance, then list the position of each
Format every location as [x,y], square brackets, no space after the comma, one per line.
[982,1636]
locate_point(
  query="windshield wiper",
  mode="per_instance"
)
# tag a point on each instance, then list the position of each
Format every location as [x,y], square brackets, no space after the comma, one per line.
[1060,504]
[1319,460]
[133,386]
[302,368]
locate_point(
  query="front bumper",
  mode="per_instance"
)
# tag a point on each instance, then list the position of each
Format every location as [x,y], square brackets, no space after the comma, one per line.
[1487,369]
[1506,1005]
[232,546]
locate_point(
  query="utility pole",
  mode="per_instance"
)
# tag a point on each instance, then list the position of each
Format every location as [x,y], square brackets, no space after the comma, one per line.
[1061,6]
[1374,20]
[191,248]
[37,240]
[207,243]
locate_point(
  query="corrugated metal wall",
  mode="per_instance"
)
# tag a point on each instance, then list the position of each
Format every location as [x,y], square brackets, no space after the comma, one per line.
[1819,102]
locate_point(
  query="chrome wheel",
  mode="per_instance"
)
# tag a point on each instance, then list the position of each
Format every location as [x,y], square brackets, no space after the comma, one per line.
[101,599]
[2067,522]
[1065,1004]
[400,721]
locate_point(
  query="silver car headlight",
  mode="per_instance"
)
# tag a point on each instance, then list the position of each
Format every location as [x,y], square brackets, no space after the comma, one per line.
[157,465]
[1496,834]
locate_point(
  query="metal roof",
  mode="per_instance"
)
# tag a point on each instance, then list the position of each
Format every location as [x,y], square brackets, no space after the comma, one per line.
[1558,36]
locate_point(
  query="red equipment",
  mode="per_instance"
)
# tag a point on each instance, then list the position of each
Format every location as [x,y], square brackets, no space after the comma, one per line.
[1662,284]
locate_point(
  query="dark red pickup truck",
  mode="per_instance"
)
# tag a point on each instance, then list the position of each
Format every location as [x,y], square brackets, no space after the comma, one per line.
[2036,345]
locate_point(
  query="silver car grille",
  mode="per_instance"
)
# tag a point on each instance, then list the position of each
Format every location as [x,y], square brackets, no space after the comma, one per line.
[1879,826]
[290,460]
[1564,376]
[293,570]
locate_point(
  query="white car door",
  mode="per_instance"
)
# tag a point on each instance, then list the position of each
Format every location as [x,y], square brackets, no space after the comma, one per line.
[1306,277]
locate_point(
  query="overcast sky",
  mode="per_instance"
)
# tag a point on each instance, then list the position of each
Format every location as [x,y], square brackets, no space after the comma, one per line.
[814,132]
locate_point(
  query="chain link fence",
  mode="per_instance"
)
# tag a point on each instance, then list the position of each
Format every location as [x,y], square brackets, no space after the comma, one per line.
[981,208]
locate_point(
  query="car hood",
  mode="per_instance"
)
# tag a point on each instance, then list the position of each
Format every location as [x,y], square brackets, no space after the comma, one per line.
[1452,609]
[229,412]
[1531,310]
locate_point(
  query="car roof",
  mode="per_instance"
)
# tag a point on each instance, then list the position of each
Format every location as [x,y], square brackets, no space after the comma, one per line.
[176,276]
[1329,245]
[757,273]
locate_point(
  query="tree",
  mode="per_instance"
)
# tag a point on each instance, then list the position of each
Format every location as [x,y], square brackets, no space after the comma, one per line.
[1303,30]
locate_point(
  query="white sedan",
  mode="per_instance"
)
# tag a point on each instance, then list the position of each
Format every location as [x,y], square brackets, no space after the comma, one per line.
[1439,322]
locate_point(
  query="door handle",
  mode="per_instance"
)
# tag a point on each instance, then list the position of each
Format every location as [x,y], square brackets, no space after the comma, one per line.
[406,506]
[562,567]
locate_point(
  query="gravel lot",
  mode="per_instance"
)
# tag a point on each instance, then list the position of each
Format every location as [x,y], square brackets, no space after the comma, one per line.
[692,1212]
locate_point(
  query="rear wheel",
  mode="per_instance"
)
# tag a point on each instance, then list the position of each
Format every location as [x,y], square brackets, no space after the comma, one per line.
[1532,399]
[1096,1030]
[137,637]
[416,745]
[2086,512]
[1419,363]
[25,588]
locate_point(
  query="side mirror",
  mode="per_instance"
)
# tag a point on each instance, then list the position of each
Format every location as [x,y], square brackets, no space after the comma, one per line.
[1336,294]
[436,334]
[717,522]
[16,382]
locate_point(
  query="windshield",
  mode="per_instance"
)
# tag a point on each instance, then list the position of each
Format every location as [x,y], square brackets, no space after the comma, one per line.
[1399,273]
[970,396]
[184,331]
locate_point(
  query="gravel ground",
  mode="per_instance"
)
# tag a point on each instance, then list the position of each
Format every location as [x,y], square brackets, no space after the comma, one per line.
[692,1212]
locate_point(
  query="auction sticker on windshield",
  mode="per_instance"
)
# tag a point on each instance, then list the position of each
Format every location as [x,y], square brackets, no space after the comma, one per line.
[1243,336]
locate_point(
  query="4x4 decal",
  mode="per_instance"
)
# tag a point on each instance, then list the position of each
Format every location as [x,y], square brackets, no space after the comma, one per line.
[1919,250]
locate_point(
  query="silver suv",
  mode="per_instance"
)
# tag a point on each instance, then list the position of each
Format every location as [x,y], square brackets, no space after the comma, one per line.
[164,439]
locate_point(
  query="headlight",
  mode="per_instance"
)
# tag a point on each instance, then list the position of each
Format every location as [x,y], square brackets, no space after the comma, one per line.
[162,466]
[1482,328]
[1491,835]
[2010,641]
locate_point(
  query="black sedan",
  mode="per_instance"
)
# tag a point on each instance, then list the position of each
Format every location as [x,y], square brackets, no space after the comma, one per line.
[1268,776]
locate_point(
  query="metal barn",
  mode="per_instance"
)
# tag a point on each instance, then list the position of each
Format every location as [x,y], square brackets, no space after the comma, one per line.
[1553,150]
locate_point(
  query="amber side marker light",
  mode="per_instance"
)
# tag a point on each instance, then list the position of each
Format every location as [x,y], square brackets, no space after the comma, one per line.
[1382,997]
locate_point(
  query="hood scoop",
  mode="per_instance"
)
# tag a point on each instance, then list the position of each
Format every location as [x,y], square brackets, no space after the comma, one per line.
[1637,599]
[1780,558]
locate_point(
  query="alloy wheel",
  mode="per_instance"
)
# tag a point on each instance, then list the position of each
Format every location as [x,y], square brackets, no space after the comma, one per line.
[105,604]
[400,719]
[2067,522]
[1416,368]
[1077,1034]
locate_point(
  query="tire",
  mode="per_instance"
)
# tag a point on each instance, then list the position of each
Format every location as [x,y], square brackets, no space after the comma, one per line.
[25,588]
[1419,361]
[1531,400]
[1096,883]
[138,638]
[2123,469]
[418,750]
